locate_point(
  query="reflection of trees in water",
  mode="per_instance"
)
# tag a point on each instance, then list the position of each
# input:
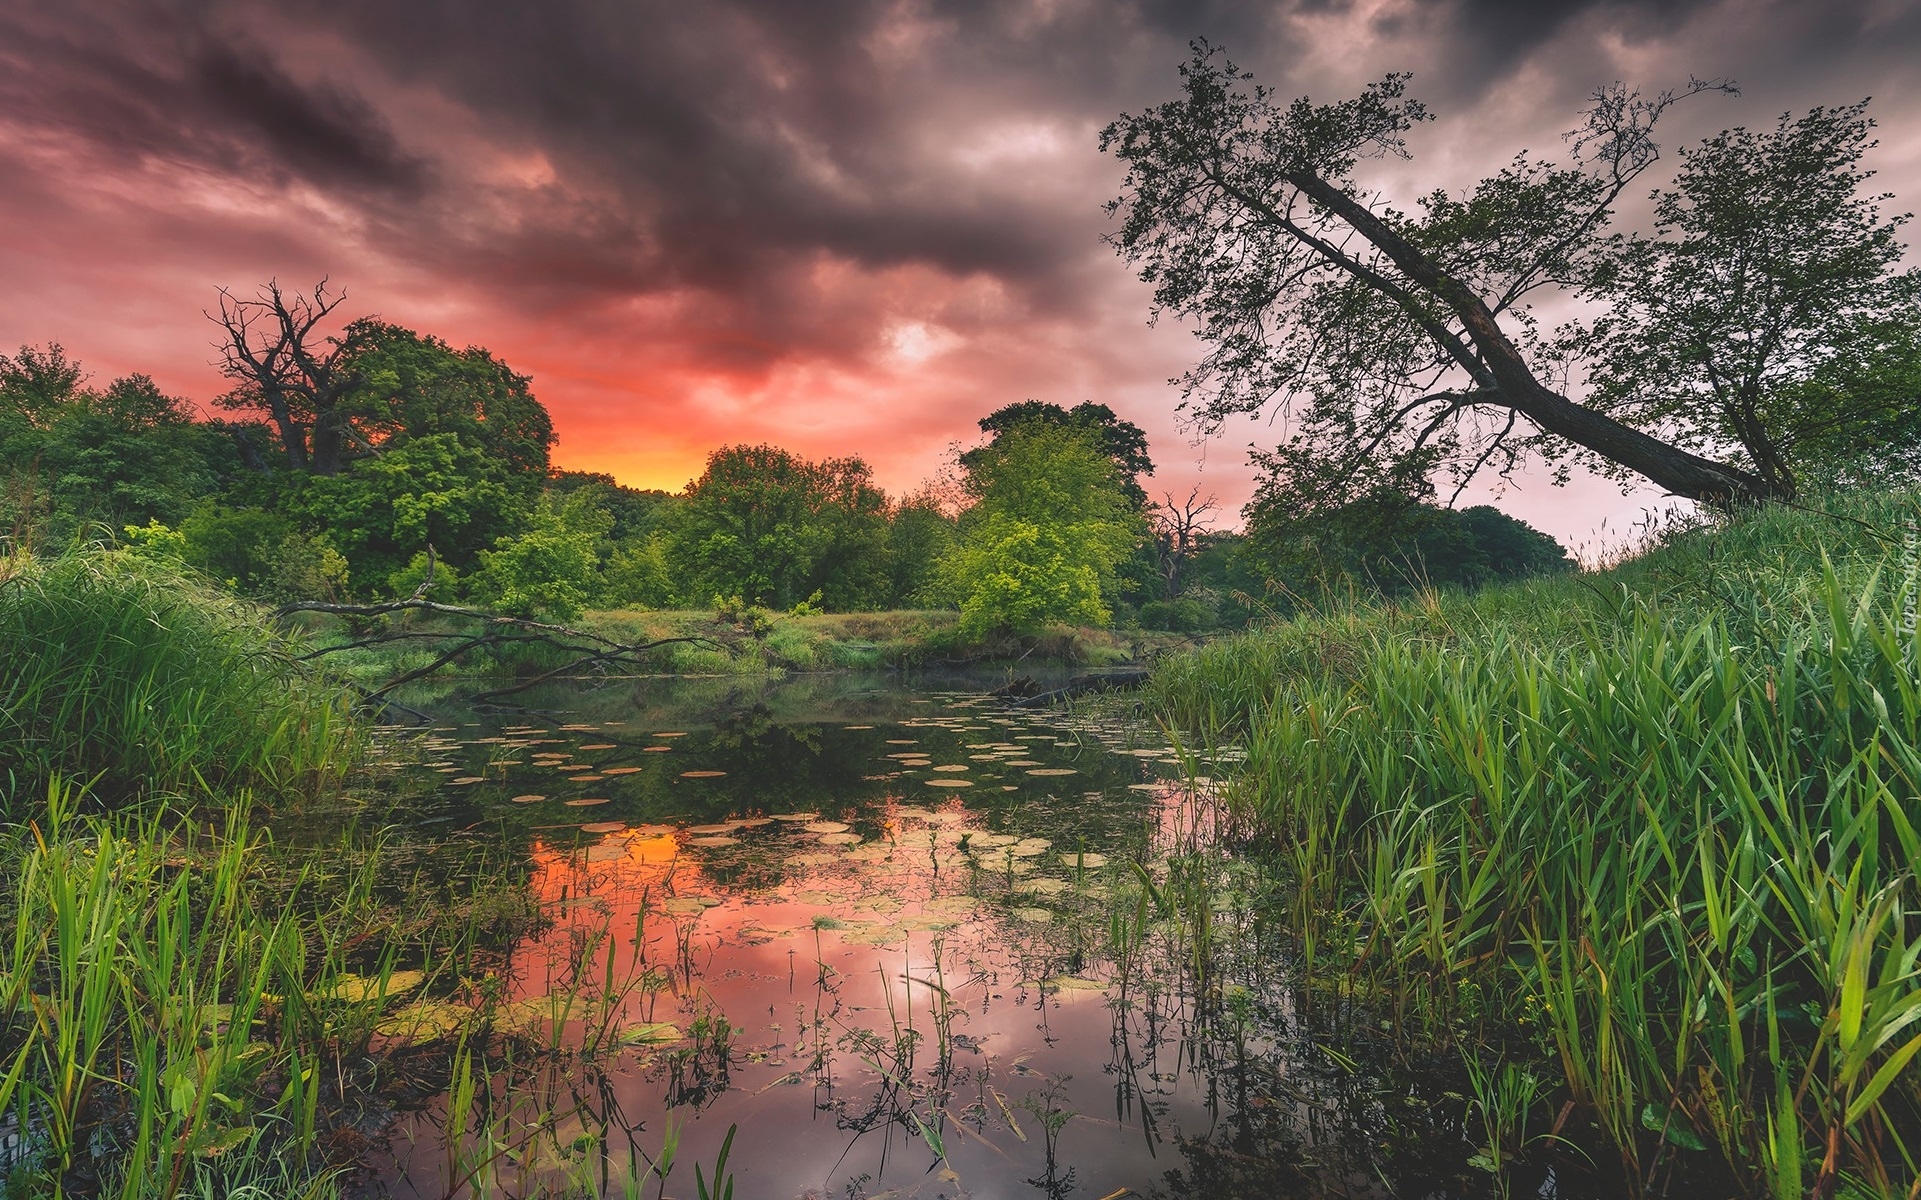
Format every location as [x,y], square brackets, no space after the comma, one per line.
[1305,1096]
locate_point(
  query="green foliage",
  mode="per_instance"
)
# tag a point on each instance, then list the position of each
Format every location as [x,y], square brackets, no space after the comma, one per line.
[637,513]
[919,534]
[1666,819]
[433,490]
[414,385]
[445,587]
[1392,542]
[1768,318]
[637,575]
[1188,614]
[260,554]
[1049,526]
[548,569]
[1018,576]
[1123,441]
[126,454]
[773,528]
[123,672]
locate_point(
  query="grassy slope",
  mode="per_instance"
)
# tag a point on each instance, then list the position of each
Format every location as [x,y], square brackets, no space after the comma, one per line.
[1655,826]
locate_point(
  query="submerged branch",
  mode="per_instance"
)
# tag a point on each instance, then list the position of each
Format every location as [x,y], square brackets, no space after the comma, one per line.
[493,629]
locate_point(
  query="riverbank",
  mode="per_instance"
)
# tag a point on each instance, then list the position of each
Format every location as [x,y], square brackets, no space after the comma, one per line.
[1639,846]
[754,642]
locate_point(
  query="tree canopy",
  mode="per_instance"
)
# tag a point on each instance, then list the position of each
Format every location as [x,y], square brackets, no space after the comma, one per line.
[1051,521]
[1397,346]
[1123,441]
[123,454]
[772,528]
[1765,320]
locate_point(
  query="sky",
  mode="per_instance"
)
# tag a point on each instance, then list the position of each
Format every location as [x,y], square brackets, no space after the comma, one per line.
[841,226]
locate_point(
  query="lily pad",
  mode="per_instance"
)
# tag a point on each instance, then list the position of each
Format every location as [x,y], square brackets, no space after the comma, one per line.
[825,827]
[714,840]
[355,988]
[604,827]
[950,783]
[702,774]
[952,767]
[1053,771]
[601,746]
[425,1020]
[530,798]
[650,1032]
[618,770]
[585,802]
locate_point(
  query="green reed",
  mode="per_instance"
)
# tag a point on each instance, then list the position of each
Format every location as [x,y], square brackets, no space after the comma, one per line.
[125,673]
[1674,833]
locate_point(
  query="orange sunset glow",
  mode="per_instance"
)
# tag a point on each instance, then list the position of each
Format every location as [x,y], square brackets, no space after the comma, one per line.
[847,229]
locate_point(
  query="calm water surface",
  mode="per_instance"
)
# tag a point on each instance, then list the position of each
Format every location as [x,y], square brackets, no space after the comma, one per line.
[892,934]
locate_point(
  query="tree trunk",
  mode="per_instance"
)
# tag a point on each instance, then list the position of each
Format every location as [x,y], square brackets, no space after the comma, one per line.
[327,444]
[293,437]
[1679,471]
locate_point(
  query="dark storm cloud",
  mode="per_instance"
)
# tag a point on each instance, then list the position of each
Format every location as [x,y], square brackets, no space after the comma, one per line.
[732,154]
[125,84]
[323,131]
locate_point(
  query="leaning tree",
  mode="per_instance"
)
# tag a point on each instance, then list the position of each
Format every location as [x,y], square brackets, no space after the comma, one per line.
[1397,345]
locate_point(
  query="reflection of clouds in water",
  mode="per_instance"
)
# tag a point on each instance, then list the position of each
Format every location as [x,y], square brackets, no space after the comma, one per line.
[967,906]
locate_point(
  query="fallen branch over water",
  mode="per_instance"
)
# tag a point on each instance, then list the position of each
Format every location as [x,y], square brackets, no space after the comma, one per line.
[1079,685]
[487,630]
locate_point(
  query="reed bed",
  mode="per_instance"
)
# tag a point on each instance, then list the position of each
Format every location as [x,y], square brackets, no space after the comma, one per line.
[1665,835]
[124,674]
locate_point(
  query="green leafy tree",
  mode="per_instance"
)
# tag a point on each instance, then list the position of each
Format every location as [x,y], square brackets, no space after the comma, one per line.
[1123,441]
[1395,344]
[1767,320]
[919,535]
[637,512]
[432,490]
[772,528]
[552,567]
[637,575]
[1392,542]
[336,399]
[262,554]
[1016,576]
[119,455]
[1050,524]
[412,385]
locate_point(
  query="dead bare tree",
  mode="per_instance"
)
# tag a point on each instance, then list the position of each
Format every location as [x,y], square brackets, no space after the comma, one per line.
[1177,530]
[273,349]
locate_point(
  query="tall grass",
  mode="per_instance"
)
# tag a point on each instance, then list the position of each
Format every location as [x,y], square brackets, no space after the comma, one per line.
[121,673]
[155,1009]
[1667,817]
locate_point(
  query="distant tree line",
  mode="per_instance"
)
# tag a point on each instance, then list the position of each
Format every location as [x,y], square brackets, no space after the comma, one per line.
[379,461]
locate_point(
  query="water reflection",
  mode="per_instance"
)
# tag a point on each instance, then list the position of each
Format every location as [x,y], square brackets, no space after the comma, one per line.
[905,942]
